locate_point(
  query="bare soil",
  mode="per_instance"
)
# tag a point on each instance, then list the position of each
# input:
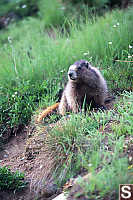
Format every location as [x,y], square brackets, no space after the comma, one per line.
[13,155]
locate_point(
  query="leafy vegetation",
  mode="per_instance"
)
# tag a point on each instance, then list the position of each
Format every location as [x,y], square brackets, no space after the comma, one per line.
[11,180]
[22,101]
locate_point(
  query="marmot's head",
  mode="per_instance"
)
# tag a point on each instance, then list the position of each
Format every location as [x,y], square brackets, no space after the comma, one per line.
[76,70]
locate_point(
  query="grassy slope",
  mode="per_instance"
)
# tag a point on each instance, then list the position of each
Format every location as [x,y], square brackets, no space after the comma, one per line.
[96,143]
[31,61]
[101,146]
[29,56]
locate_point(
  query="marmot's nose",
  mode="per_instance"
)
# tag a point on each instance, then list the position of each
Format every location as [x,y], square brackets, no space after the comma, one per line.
[70,74]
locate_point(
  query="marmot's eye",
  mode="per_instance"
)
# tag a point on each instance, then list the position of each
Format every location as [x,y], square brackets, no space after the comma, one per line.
[87,65]
[79,68]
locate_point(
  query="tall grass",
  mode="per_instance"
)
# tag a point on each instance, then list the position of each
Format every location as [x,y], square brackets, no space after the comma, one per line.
[94,147]
[34,62]
[11,181]
[52,12]
[38,54]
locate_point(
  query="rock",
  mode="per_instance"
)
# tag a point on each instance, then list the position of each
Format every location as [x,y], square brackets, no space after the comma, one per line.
[60,197]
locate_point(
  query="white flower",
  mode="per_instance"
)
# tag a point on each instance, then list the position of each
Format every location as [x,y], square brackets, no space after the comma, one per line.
[67,40]
[130,47]
[109,42]
[24,6]
[118,24]
[63,8]
[114,26]
[9,39]
[86,53]
[129,56]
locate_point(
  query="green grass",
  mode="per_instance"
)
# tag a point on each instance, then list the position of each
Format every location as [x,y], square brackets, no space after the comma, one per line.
[124,117]
[33,68]
[30,54]
[52,12]
[39,56]
[95,147]
[23,98]
[11,181]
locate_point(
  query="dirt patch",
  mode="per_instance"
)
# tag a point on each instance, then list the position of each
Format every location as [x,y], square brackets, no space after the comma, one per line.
[25,153]
[13,155]
[14,147]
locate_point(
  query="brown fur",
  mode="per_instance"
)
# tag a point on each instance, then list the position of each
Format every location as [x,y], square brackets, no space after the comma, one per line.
[46,112]
[84,85]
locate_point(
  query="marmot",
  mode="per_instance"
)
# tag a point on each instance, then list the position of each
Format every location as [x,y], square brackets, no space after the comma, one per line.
[85,85]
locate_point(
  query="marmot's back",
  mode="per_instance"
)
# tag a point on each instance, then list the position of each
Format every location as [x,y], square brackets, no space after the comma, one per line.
[85,84]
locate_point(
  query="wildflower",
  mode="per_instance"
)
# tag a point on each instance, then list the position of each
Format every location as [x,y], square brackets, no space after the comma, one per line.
[130,158]
[63,8]
[130,47]
[109,42]
[114,26]
[86,53]
[117,24]
[67,40]
[9,39]
[129,56]
[24,6]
